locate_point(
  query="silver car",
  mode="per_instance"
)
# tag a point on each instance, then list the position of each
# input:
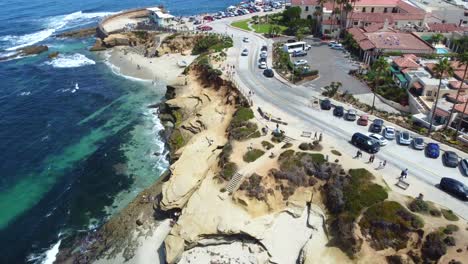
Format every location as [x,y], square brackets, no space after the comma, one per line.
[382,141]
[418,143]
[404,138]
[351,115]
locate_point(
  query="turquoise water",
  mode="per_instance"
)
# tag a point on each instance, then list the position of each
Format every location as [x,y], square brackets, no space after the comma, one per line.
[441,51]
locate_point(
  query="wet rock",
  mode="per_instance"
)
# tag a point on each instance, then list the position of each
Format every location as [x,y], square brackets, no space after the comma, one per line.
[117,40]
[139,222]
[80,33]
[33,50]
[53,55]
[98,45]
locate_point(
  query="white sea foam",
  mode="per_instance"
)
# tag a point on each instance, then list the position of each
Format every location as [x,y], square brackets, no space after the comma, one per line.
[25,93]
[70,61]
[51,254]
[51,26]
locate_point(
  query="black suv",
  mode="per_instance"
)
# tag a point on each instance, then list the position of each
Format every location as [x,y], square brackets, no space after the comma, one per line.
[338,111]
[365,143]
[264,48]
[325,104]
[268,73]
[376,126]
[454,187]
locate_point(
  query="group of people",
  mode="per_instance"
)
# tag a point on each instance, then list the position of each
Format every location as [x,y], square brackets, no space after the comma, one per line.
[382,164]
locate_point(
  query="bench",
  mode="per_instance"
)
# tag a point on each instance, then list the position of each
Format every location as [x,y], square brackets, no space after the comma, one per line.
[402,184]
[306,134]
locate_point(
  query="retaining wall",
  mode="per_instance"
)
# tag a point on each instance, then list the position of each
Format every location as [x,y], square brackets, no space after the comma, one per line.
[101,31]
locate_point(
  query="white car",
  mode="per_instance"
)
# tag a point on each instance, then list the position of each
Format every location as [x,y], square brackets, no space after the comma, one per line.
[300,62]
[262,65]
[337,46]
[246,40]
[404,138]
[245,52]
[389,132]
[382,141]
[263,54]
[308,47]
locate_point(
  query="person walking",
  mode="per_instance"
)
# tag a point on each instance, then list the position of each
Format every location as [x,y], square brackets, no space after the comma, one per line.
[384,163]
[320,137]
[315,135]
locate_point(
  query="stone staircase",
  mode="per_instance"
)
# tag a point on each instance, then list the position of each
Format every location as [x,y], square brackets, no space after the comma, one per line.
[234,182]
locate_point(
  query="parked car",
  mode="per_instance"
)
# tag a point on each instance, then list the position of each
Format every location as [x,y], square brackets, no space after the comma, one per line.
[325,104]
[262,65]
[404,138]
[264,48]
[267,9]
[246,39]
[338,111]
[307,47]
[291,40]
[454,188]
[389,132]
[418,143]
[300,53]
[204,28]
[382,141]
[268,73]
[432,150]
[263,54]
[351,115]
[363,120]
[376,126]
[337,46]
[245,52]
[464,166]
[365,143]
[331,43]
[450,159]
[262,60]
[300,62]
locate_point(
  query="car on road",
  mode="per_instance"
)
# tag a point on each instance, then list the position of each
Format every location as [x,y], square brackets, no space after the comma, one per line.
[450,159]
[262,65]
[268,73]
[264,48]
[376,126]
[454,188]
[338,111]
[245,52]
[267,9]
[404,138]
[246,39]
[365,143]
[363,120]
[263,54]
[418,143]
[337,46]
[464,166]
[300,53]
[389,132]
[331,43]
[325,104]
[204,28]
[382,141]
[300,62]
[351,115]
[432,150]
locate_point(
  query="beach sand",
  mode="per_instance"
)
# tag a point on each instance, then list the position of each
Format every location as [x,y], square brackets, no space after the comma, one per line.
[164,68]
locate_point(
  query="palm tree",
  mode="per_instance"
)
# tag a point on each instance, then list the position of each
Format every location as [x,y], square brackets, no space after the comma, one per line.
[380,66]
[440,69]
[463,61]
[352,11]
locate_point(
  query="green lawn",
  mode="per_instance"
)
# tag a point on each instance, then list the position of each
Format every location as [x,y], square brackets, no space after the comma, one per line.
[242,24]
[264,28]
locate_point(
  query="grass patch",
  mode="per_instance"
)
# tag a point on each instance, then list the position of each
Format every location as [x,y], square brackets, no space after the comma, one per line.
[253,155]
[242,114]
[336,152]
[389,223]
[361,192]
[449,215]
[290,160]
[242,24]
[228,171]
[267,145]
[208,43]
[265,28]
[178,118]
[240,127]
[449,229]
[176,140]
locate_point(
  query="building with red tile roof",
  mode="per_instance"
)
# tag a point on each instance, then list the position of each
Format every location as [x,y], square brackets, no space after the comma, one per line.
[444,28]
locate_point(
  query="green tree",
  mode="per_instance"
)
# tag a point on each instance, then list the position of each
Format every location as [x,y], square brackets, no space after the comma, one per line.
[380,66]
[300,33]
[463,59]
[437,38]
[441,69]
[292,14]
[332,89]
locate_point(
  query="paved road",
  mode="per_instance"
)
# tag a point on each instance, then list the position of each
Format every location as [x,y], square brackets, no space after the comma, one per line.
[292,103]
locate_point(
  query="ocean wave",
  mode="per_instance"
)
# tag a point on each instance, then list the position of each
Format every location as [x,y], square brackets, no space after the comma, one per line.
[47,257]
[52,25]
[70,61]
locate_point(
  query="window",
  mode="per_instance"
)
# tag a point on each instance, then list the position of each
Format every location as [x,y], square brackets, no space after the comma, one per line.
[394,10]
[356,23]
[307,9]
[363,9]
[372,10]
[428,93]
[385,10]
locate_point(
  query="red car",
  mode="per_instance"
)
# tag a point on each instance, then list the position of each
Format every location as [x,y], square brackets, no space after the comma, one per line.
[208,18]
[363,120]
[204,28]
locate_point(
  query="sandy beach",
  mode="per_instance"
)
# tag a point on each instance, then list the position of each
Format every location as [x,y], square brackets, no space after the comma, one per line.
[165,69]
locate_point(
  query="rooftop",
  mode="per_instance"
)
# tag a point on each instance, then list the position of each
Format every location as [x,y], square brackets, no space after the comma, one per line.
[398,41]
[406,61]
[443,28]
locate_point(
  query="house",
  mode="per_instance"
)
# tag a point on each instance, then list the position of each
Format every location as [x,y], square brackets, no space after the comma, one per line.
[159,16]
[387,40]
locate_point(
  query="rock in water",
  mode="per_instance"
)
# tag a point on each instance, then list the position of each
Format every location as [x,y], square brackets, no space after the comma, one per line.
[98,46]
[53,55]
[80,33]
[33,50]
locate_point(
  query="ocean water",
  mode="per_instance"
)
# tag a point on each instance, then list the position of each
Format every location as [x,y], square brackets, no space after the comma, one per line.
[78,141]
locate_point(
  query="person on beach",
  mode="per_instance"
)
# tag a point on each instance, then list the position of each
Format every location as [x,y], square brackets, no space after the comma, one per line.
[315,135]
[320,137]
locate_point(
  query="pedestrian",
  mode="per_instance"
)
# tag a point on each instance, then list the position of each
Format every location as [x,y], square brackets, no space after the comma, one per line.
[384,163]
[406,173]
[315,135]
[370,159]
[320,137]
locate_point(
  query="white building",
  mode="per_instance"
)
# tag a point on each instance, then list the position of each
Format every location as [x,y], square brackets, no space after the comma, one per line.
[159,17]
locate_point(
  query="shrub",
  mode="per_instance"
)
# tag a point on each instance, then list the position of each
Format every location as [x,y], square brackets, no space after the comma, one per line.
[253,188]
[389,223]
[435,212]
[433,247]
[228,170]
[449,215]
[336,152]
[176,140]
[450,241]
[450,229]
[253,155]
[211,42]
[267,145]
[287,145]
[419,206]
